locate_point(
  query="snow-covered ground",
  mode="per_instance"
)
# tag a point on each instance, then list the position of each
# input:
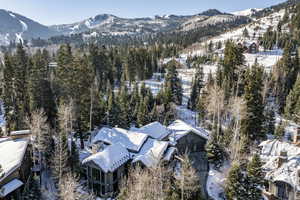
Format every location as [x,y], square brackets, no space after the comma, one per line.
[247,12]
[216,182]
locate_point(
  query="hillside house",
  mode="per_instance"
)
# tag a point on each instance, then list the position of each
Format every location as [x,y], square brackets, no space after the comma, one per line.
[113,150]
[249,47]
[15,160]
[282,169]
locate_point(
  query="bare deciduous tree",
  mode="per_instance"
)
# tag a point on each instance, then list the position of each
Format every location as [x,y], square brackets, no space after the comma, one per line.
[237,110]
[146,184]
[69,189]
[187,178]
[40,131]
[216,105]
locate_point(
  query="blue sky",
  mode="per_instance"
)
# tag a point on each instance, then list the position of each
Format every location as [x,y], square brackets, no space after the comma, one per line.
[50,12]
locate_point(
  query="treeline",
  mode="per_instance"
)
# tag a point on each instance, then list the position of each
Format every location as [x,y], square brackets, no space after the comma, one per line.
[101,84]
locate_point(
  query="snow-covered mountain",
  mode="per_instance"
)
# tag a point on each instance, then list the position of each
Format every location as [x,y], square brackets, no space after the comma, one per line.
[15,27]
[247,12]
[106,23]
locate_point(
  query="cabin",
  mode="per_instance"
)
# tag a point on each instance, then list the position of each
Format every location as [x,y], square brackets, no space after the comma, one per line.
[15,161]
[282,170]
[112,151]
[252,48]
[246,47]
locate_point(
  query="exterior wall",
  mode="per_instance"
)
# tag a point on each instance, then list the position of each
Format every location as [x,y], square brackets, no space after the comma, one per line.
[194,145]
[278,187]
[104,184]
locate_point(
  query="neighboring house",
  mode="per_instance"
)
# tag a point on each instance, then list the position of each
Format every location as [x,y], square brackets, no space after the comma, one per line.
[249,47]
[106,168]
[282,169]
[113,150]
[15,160]
[188,139]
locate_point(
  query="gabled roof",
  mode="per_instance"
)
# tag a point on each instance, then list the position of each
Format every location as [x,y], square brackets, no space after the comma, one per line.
[12,154]
[180,128]
[132,141]
[288,171]
[110,158]
[274,147]
[10,187]
[151,152]
[155,130]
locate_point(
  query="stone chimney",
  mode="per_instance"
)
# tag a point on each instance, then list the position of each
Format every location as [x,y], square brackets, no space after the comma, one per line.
[297,136]
[282,158]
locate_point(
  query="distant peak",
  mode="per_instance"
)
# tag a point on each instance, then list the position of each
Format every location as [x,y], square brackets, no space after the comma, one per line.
[211,12]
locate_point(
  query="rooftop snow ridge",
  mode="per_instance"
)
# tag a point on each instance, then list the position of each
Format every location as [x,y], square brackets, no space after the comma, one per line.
[110,158]
[132,141]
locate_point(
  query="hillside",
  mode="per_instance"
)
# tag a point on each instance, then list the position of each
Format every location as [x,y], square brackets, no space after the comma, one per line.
[15,27]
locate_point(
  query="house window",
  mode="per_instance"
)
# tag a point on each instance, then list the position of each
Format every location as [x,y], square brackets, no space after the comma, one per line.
[282,192]
[102,177]
[96,174]
[115,176]
[103,189]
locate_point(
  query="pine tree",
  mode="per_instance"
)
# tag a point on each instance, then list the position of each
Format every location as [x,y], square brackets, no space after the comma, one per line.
[215,152]
[246,33]
[255,178]
[292,100]
[280,130]
[124,98]
[173,87]
[113,111]
[236,184]
[252,122]
[233,59]
[9,93]
[142,117]
[33,190]
[197,85]
[270,121]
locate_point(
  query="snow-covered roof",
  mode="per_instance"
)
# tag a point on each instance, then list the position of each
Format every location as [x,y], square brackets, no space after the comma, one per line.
[10,187]
[288,171]
[21,132]
[180,128]
[132,141]
[155,130]
[110,158]
[169,153]
[11,155]
[151,152]
[272,148]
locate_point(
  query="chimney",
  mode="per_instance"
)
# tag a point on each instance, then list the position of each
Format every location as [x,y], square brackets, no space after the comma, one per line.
[297,136]
[282,158]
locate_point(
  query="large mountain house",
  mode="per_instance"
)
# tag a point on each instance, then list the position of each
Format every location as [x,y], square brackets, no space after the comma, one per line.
[282,169]
[113,150]
[15,160]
